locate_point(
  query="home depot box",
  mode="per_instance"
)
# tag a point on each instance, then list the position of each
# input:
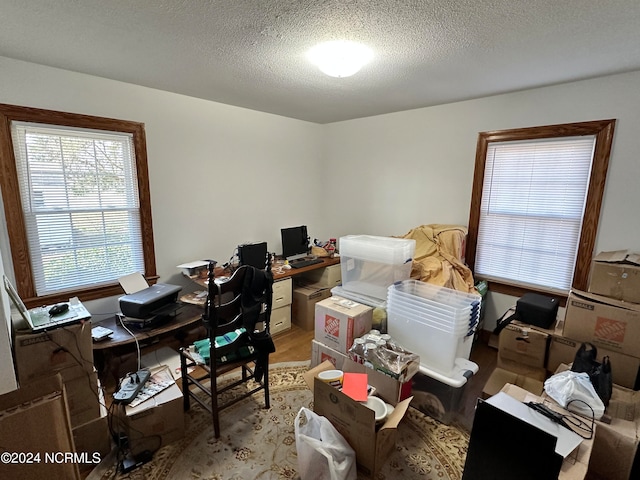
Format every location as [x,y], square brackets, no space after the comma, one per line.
[356,422]
[624,368]
[338,321]
[304,304]
[34,420]
[320,353]
[155,422]
[615,448]
[603,321]
[327,277]
[616,275]
[524,345]
[67,350]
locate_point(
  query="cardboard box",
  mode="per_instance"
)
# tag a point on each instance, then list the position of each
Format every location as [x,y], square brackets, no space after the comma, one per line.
[155,422]
[356,422]
[500,377]
[92,440]
[387,387]
[524,345]
[327,277]
[34,419]
[616,275]
[615,450]
[68,350]
[624,368]
[603,321]
[338,321]
[320,353]
[304,305]
[531,372]
[574,466]
[82,399]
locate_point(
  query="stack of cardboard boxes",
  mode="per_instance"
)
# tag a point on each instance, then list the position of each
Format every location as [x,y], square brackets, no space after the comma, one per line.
[608,316]
[310,288]
[67,351]
[338,321]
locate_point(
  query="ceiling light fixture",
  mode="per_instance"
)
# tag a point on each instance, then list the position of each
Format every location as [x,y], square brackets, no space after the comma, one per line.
[340,58]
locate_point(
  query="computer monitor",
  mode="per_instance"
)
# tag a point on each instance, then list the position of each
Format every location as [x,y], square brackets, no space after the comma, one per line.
[253,254]
[295,242]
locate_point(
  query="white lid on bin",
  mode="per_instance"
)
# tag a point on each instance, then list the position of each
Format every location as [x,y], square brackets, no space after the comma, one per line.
[378,249]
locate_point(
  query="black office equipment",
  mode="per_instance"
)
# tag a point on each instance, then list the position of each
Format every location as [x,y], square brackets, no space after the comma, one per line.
[150,301]
[253,254]
[534,309]
[295,242]
[305,263]
[504,447]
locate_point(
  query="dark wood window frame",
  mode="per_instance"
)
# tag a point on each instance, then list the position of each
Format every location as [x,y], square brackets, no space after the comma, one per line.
[603,131]
[25,283]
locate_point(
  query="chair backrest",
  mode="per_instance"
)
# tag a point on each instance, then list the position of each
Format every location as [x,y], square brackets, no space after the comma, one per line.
[239,301]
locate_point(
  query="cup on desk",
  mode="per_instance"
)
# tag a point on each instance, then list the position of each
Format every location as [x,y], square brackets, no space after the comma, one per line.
[332,377]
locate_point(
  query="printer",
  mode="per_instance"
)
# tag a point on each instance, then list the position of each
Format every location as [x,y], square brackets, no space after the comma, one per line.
[158,299]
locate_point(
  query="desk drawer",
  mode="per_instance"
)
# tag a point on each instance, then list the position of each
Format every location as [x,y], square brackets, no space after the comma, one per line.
[282,293]
[280,319]
[327,277]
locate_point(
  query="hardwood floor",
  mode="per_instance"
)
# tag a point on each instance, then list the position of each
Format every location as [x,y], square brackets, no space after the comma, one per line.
[295,345]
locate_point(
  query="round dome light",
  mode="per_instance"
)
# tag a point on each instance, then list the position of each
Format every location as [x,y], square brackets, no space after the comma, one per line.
[340,58]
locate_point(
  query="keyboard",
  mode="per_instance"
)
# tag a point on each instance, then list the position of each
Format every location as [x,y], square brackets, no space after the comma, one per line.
[305,263]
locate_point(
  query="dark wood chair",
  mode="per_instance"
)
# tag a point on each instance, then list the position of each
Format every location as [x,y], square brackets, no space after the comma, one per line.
[241,303]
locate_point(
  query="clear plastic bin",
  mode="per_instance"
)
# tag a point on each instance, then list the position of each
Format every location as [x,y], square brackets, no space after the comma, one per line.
[438,350]
[370,264]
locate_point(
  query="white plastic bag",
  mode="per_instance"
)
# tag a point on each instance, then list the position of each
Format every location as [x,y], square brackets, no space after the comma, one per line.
[566,386]
[323,454]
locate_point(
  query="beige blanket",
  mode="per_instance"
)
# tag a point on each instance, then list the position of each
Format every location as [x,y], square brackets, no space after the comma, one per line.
[439,257]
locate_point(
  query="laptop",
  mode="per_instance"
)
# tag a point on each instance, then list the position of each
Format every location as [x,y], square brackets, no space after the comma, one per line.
[38,319]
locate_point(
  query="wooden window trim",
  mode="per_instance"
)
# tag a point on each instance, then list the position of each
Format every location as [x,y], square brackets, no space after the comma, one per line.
[603,130]
[25,283]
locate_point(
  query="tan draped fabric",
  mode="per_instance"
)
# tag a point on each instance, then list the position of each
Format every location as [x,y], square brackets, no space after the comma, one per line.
[439,256]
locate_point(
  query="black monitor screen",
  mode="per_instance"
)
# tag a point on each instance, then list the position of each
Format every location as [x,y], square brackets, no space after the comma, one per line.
[295,242]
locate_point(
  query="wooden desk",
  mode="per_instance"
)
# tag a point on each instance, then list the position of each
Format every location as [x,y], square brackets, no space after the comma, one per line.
[107,353]
[279,273]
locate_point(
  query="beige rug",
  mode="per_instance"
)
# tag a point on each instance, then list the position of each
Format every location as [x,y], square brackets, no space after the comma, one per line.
[257,443]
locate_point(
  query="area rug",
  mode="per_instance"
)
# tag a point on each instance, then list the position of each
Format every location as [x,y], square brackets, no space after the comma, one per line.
[259,443]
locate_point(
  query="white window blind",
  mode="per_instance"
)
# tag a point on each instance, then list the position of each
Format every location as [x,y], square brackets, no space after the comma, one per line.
[80,201]
[531,212]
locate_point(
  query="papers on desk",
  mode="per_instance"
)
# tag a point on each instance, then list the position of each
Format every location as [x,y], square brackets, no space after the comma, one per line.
[194,269]
[132,283]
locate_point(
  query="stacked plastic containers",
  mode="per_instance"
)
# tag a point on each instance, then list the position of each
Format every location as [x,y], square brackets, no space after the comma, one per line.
[369,264]
[435,322]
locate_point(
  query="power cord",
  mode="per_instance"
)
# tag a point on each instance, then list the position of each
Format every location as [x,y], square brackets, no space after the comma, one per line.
[571,422]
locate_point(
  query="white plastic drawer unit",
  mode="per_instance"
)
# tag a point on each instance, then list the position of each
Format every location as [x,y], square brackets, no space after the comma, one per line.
[282,293]
[280,319]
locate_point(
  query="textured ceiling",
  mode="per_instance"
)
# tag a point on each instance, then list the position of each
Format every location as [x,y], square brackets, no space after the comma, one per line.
[251,53]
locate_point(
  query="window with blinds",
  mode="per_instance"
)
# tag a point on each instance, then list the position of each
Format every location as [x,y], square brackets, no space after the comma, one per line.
[79,195]
[535,206]
[532,209]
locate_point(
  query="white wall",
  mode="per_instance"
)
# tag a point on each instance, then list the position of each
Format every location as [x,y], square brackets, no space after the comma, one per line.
[220,175]
[401,170]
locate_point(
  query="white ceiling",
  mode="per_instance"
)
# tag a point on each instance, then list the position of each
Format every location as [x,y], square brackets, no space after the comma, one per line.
[251,53]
